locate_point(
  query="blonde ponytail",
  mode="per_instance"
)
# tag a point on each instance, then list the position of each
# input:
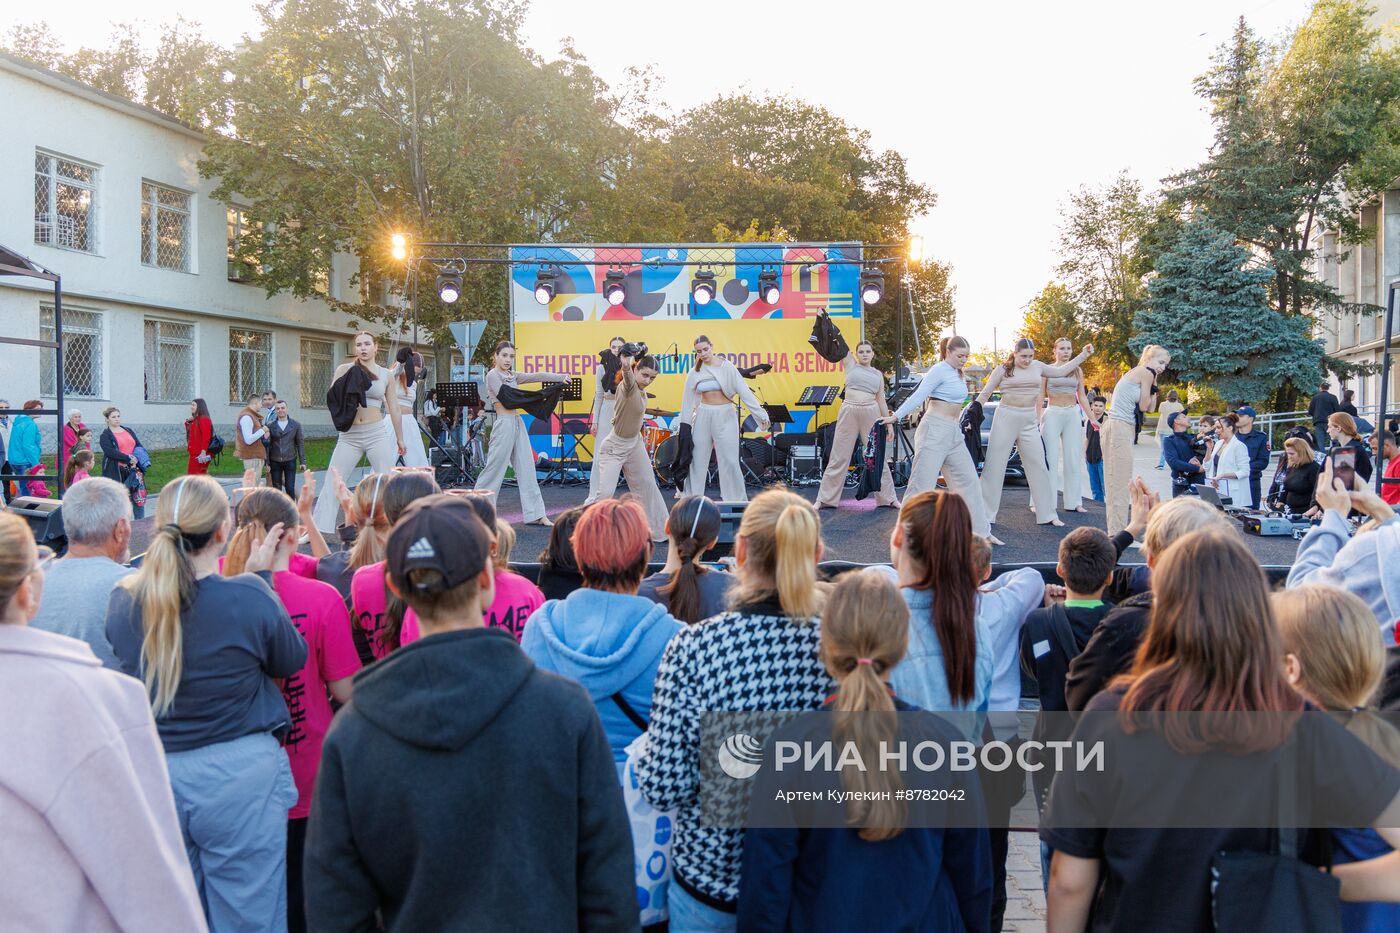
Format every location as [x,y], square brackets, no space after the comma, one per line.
[188,513]
[782,538]
[865,633]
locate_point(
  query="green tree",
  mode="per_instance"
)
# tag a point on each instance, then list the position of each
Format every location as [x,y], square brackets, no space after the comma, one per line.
[1209,305]
[1102,263]
[1054,314]
[1303,135]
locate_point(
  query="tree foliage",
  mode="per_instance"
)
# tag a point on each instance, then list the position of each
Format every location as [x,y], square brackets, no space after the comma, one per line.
[1054,314]
[1209,305]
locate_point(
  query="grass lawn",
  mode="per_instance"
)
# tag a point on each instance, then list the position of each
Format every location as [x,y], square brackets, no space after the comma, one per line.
[166,465]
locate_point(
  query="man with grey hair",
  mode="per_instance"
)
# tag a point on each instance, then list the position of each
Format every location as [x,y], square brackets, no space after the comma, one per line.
[97,520]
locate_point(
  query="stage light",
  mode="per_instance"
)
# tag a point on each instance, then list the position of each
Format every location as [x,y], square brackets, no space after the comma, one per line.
[545,287]
[398,246]
[702,287]
[916,249]
[872,285]
[768,288]
[449,286]
[614,288]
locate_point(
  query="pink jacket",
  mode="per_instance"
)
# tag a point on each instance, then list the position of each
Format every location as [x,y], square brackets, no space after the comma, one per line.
[92,841]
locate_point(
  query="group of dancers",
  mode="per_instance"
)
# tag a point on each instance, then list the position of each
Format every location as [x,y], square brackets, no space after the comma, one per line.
[1039,414]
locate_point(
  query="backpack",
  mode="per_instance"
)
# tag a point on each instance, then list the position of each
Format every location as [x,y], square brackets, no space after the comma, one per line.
[215,447]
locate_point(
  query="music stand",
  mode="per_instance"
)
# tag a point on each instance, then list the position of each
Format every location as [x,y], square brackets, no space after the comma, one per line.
[461,396]
[778,414]
[573,392]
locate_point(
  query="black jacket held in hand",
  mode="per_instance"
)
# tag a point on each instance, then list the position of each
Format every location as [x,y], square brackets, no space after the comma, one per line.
[462,788]
[827,340]
[347,395]
[538,404]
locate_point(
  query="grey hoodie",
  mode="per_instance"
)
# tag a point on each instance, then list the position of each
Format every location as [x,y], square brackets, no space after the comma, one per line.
[1367,565]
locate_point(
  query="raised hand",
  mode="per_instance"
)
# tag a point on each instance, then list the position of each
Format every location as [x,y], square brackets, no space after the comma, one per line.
[263,553]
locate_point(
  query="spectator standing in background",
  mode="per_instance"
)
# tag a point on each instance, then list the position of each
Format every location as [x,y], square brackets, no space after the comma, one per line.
[269,405]
[1348,403]
[250,440]
[199,429]
[286,448]
[1341,430]
[1093,446]
[79,467]
[1322,406]
[1171,406]
[5,427]
[118,444]
[1388,452]
[92,840]
[71,429]
[77,588]
[433,412]
[25,451]
[1257,443]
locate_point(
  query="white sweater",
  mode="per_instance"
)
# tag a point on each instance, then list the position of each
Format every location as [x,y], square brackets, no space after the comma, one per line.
[730,383]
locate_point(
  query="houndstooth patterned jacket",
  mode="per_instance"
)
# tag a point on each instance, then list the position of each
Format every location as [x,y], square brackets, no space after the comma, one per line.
[754,658]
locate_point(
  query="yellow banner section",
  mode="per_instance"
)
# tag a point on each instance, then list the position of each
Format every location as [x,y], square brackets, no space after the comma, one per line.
[571,348]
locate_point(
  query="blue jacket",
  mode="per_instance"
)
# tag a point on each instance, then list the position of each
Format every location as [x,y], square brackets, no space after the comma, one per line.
[922,679]
[24,442]
[1177,448]
[1257,443]
[609,643]
[924,879]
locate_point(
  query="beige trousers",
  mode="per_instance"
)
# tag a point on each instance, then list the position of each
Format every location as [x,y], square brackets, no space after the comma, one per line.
[852,425]
[602,427]
[1117,472]
[716,429]
[911,488]
[373,440]
[1017,426]
[510,446]
[1064,449]
[628,456]
[942,450]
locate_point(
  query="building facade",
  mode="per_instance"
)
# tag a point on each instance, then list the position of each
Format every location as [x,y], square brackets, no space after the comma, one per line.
[156,310]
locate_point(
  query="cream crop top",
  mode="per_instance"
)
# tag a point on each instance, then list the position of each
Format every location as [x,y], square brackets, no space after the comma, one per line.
[374,395]
[942,382]
[1062,385]
[864,379]
[708,385]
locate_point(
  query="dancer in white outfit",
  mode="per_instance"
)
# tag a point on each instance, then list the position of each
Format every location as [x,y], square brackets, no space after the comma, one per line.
[407,368]
[604,398]
[510,444]
[1063,429]
[940,446]
[1017,421]
[863,406]
[706,405]
[367,436]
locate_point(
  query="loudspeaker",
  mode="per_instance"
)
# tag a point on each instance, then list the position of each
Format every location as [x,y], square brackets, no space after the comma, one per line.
[730,514]
[45,518]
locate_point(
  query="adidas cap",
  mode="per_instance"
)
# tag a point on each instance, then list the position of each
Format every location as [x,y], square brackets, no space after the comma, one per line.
[442,533]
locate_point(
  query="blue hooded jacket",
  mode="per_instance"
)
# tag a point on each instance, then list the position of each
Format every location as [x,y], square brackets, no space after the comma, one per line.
[609,643]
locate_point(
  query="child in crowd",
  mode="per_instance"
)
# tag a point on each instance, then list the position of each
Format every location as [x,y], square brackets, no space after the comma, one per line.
[458,751]
[862,877]
[1093,446]
[319,614]
[687,588]
[380,622]
[362,538]
[1334,659]
[1054,636]
[504,544]
[79,467]
[559,574]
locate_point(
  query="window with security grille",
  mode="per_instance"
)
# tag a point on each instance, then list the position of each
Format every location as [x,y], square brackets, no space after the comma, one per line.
[169,361]
[242,267]
[317,368]
[249,363]
[82,353]
[65,202]
[165,227]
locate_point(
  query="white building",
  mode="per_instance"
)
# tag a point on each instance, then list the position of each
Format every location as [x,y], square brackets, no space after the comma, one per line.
[1365,274]
[107,194]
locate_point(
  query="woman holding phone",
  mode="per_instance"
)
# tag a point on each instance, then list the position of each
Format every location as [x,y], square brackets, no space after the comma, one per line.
[1341,429]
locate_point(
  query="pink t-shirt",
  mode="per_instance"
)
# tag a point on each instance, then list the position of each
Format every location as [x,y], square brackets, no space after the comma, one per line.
[319,614]
[368,600]
[516,598]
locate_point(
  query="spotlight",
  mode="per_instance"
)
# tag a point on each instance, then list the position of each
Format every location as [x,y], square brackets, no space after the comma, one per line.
[545,287]
[613,287]
[916,249]
[449,286]
[398,246]
[768,288]
[702,287]
[872,285]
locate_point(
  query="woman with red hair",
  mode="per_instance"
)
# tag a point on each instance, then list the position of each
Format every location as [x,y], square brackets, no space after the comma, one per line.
[604,635]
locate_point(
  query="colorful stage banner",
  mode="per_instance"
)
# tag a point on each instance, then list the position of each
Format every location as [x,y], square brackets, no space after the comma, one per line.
[566,335]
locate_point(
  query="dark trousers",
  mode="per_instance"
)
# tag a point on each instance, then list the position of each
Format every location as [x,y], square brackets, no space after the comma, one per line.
[1254,479]
[5,484]
[1001,790]
[283,476]
[296,895]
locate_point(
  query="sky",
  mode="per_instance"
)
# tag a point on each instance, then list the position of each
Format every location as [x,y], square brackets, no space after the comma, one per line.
[1003,109]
